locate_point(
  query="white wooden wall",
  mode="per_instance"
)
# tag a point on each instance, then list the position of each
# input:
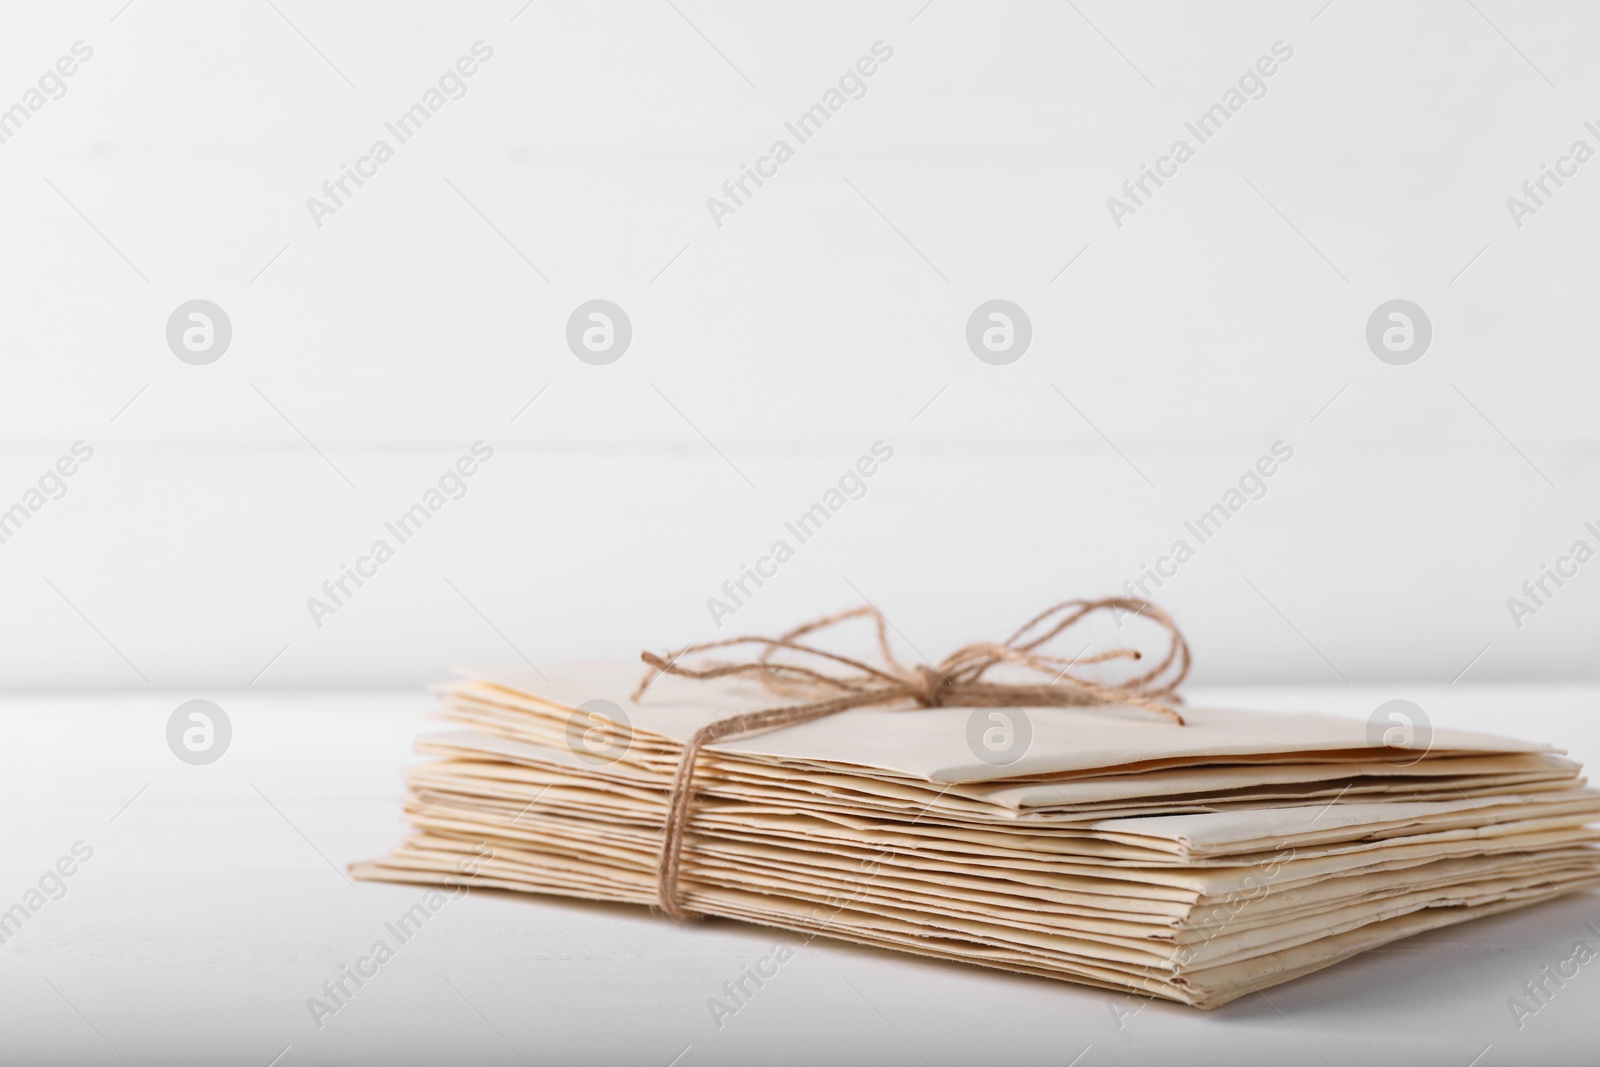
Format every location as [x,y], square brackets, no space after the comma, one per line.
[769,353]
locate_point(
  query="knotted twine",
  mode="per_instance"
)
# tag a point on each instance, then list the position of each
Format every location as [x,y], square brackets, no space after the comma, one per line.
[957,681]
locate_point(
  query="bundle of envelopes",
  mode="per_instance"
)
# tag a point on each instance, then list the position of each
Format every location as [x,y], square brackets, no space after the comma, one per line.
[1195,863]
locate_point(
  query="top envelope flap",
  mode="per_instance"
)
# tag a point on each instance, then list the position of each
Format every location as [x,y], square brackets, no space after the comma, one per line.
[943,745]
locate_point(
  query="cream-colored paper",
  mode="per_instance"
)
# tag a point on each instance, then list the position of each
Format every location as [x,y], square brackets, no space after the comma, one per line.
[1195,863]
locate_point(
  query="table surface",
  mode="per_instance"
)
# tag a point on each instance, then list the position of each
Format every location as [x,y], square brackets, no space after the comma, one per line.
[215,905]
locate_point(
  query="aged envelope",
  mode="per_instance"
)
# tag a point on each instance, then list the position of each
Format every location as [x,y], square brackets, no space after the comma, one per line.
[1195,863]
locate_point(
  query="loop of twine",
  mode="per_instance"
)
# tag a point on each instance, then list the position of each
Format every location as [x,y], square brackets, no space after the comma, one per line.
[957,681]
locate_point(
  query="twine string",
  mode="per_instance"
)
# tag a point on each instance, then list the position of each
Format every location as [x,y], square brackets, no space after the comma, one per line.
[956,681]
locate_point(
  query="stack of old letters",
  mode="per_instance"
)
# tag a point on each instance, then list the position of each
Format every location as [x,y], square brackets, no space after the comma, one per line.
[1100,845]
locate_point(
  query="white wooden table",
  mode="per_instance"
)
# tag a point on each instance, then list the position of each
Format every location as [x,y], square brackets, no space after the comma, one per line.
[215,905]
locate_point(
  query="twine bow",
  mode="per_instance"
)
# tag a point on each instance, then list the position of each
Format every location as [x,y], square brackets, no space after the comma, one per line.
[957,681]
